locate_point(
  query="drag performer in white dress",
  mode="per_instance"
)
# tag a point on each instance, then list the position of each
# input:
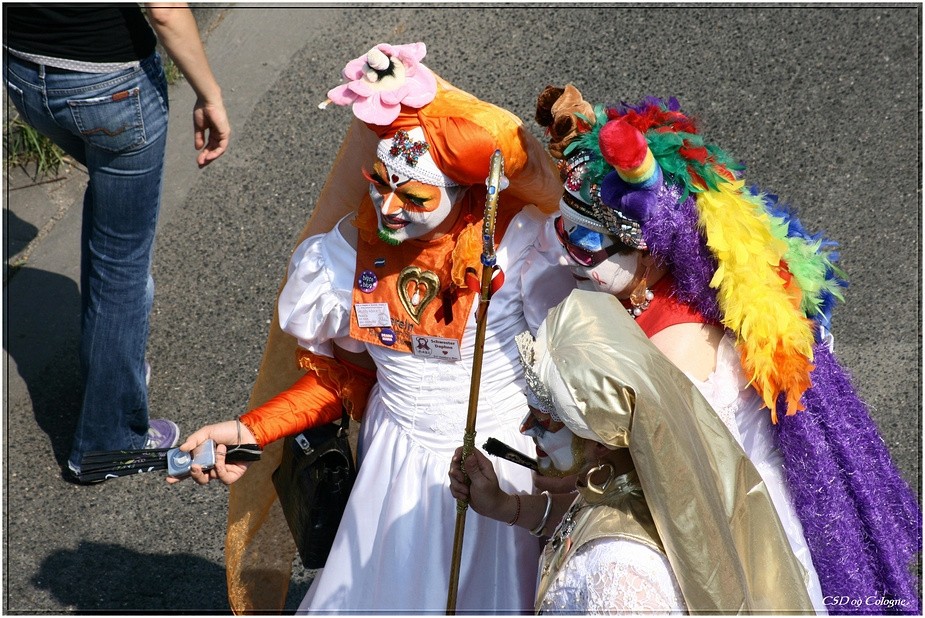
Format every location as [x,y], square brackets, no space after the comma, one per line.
[394,546]
[387,296]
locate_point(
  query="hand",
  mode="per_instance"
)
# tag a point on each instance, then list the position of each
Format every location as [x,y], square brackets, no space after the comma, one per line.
[482,489]
[178,32]
[214,119]
[228,432]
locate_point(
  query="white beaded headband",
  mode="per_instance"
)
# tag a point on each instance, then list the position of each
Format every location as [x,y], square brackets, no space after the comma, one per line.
[407,154]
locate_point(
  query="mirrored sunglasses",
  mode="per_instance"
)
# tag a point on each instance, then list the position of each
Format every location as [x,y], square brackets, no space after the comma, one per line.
[581,256]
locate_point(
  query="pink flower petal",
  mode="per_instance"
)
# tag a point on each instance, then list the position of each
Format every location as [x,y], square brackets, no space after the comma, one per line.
[342,95]
[425,77]
[373,111]
[355,68]
[419,100]
[422,88]
[411,54]
[395,97]
[362,88]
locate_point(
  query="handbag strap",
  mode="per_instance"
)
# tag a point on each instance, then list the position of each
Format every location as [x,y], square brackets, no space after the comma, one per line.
[344,422]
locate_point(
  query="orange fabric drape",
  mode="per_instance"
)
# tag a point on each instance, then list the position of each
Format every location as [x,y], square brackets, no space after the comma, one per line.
[315,399]
[259,549]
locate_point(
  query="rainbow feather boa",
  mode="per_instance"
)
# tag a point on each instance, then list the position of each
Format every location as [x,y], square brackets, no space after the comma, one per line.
[763,276]
[741,257]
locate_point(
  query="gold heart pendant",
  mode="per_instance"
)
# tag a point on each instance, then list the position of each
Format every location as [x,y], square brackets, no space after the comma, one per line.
[416,288]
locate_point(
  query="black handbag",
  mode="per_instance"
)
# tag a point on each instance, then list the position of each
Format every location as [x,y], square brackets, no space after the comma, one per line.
[313,482]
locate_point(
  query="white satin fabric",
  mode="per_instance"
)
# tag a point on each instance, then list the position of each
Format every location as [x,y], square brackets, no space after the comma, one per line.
[743,412]
[393,550]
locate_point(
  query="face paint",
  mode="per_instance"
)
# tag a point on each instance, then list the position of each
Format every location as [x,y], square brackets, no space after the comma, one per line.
[595,260]
[408,208]
[559,452]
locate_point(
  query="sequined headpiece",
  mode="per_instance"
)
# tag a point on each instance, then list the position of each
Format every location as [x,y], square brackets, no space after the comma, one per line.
[537,394]
[581,203]
[407,154]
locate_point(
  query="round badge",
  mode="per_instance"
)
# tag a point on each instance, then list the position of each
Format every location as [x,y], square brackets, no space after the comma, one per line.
[387,336]
[367,281]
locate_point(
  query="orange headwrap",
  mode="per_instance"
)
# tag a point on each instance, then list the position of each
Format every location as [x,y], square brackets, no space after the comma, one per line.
[463,132]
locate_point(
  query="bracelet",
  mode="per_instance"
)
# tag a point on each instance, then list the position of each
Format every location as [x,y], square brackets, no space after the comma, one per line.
[237,420]
[538,531]
[517,512]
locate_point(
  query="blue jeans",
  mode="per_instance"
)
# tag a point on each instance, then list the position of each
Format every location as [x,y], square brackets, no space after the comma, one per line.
[116,125]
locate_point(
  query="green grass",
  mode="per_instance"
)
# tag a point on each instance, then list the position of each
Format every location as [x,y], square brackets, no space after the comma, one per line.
[27,148]
[171,72]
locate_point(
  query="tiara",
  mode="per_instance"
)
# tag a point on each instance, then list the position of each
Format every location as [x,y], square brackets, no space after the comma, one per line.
[537,393]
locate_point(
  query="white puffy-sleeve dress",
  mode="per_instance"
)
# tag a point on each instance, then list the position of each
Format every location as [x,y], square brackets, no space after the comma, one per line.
[393,549]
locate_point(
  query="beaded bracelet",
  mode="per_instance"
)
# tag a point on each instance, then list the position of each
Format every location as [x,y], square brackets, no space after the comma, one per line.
[517,512]
[538,531]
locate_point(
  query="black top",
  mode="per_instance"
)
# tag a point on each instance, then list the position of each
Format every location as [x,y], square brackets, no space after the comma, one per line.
[85,32]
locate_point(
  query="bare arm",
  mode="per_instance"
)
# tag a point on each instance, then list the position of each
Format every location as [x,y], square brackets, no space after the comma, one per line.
[177,31]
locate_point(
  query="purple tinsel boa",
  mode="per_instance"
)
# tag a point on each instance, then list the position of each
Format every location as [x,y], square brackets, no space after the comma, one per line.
[675,241]
[862,523]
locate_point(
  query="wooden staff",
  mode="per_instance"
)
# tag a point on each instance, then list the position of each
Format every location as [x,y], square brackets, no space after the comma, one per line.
[493,182]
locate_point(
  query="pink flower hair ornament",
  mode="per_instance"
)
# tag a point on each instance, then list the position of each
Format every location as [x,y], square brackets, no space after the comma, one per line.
[382,80]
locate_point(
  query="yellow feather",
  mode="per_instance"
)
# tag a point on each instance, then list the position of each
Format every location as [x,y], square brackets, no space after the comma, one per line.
[756,304]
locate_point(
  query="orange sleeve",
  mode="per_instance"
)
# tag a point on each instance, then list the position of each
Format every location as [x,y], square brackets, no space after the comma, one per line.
[315,399]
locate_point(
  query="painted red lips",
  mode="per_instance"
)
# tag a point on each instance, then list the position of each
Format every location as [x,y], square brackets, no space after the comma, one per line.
[394,223]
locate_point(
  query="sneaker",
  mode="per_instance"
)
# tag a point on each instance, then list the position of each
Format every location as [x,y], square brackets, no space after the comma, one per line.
[162,434]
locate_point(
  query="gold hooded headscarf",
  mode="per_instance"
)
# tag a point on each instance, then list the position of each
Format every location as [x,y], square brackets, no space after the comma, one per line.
[711,508]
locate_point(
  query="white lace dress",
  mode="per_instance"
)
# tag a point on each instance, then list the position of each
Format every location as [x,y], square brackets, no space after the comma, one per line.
[615,576]
[393,549]
[619,576]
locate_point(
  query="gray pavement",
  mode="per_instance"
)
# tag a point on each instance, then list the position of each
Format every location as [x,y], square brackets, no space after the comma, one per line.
[822,103]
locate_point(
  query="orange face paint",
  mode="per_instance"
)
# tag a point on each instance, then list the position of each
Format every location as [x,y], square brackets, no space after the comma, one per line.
[408,208]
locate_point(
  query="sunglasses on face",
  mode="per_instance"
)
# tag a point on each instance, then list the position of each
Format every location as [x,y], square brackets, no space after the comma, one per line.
[582,256]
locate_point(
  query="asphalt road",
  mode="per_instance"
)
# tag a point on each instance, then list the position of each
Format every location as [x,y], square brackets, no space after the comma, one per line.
[822,103]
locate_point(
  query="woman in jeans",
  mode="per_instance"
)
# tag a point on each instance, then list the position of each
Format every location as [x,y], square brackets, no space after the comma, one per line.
[89,78]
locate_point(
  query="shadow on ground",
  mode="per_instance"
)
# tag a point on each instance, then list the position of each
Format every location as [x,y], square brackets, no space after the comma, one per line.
[17,234]
[41,335]
[101,578]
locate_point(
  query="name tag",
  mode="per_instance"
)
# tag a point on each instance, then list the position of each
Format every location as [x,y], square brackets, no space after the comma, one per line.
[371,315]
[435,347]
